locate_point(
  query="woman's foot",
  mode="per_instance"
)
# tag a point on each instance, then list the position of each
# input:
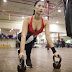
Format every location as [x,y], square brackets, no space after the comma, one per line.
[28,62]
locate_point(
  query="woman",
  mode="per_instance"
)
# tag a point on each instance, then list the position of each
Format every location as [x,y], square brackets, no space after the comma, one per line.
[34,25]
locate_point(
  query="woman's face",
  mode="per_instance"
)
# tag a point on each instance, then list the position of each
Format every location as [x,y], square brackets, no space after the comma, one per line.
[39,8]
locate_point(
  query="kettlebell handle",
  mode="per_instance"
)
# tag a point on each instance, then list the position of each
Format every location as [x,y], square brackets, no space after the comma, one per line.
[22,61]
[58,57]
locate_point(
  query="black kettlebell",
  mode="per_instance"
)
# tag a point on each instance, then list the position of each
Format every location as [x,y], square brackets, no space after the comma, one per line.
[57,64]
[21,67]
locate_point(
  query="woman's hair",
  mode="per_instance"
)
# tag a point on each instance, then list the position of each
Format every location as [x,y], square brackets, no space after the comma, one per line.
[35,5]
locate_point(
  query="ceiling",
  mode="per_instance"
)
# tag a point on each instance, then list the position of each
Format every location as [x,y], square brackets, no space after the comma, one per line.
[14,10]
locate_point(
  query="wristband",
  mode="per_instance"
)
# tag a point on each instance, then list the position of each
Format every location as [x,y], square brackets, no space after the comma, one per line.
[53,50]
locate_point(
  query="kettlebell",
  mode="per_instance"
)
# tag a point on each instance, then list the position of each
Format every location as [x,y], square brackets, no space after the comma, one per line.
[21,67]
[57,64]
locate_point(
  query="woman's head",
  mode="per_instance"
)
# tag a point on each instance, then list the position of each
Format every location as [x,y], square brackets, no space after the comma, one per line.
[38,7]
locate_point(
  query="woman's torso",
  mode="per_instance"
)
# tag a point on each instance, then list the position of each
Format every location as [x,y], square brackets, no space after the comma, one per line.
[35,26]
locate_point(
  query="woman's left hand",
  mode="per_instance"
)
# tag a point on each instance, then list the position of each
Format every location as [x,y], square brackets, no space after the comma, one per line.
[56,54]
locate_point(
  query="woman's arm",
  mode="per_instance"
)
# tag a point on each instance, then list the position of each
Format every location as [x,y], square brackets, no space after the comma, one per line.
[48,38]
[47,33]
[24,34]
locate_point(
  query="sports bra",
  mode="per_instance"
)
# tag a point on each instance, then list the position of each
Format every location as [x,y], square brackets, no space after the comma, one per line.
[32,31]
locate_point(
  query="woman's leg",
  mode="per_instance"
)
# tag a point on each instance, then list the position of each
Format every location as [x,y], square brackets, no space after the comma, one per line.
[28,48]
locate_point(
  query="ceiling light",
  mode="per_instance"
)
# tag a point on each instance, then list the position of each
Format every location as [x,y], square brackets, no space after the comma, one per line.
[5,0]
[42,0]
[59,10]
[46,17]
[11,29]
[23,17]
[0,30]
[57,21]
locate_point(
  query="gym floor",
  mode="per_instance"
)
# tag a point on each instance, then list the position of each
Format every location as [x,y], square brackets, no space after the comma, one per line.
[41,59]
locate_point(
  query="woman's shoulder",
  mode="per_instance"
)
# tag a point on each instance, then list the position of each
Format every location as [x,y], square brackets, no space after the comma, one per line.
[28,17]
[45,20]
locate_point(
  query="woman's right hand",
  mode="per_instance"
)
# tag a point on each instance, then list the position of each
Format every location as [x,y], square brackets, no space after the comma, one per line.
[21,54]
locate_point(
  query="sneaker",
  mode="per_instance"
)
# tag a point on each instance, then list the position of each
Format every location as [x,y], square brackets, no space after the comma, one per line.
[28,62]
